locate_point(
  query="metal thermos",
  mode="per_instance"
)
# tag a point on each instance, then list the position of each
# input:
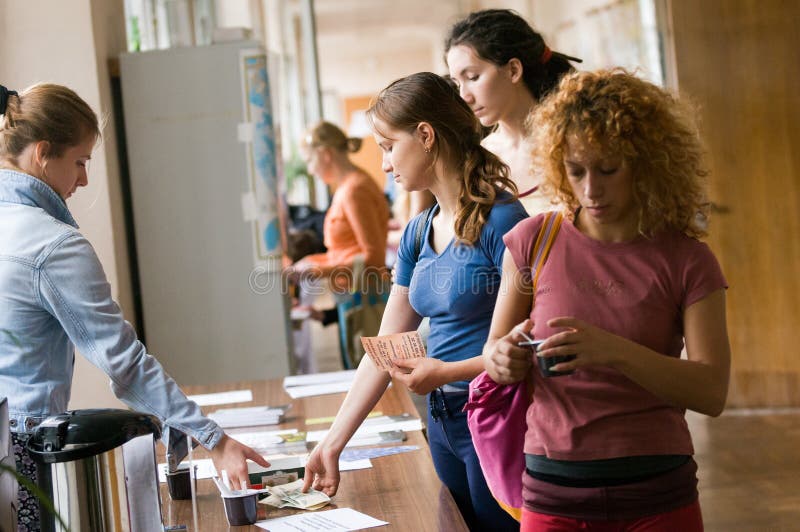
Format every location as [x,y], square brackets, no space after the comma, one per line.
[99,468]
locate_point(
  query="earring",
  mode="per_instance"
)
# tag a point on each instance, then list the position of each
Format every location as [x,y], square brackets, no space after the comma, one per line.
[427,149]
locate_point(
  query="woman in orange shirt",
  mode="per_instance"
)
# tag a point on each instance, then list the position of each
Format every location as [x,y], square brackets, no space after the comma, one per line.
[355,230]
[357,221]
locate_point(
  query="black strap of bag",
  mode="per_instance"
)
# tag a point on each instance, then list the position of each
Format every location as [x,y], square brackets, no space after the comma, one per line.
[427,214]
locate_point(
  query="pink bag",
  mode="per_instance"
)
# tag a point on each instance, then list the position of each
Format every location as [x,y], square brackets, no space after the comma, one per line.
[496,419]
[496,412]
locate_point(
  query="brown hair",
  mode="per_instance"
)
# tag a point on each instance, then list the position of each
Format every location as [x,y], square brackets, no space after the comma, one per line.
[427,97]
[46,112]
[651,129]
[326,135]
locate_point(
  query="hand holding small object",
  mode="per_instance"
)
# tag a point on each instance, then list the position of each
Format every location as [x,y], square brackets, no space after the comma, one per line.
[420,375]
[506,362]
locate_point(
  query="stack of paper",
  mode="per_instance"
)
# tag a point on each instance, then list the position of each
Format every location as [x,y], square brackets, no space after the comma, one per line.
[319,383]
[288,441]
[253,416]
[221,398]
[371,429]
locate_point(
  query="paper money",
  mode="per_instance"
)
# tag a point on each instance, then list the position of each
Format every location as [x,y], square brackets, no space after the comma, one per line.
[291,496]
[383,349]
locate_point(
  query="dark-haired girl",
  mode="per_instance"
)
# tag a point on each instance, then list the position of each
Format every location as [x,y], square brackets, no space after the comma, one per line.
[502,68]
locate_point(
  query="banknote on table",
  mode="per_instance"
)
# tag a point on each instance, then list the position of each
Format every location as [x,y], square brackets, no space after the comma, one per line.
[291,496]
[382,349]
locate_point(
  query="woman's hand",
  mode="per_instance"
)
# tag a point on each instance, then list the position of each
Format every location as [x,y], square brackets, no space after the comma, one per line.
[306,268]
[322,471]
[420,375]
[592,346]
[505,361]
[231,456]
[296,270]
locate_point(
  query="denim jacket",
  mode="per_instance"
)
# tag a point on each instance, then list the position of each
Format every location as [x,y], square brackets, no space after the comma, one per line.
[54,297]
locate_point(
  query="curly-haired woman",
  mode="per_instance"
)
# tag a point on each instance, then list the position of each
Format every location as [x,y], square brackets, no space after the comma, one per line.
[626,286]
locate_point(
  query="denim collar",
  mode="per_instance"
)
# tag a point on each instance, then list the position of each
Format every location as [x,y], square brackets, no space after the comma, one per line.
[16,187]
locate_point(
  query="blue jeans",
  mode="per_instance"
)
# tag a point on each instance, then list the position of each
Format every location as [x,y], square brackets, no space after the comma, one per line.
[457,464]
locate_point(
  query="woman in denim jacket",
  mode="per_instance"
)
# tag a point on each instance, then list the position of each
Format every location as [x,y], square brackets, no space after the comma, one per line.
[54,295]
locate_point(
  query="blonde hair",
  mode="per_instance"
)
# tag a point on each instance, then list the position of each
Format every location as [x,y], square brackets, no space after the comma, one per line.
[427,97]
[326,135]
[46,112]
[654,131]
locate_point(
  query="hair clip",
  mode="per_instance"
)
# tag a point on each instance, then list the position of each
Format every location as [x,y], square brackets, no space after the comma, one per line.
[4,95]
[568,57]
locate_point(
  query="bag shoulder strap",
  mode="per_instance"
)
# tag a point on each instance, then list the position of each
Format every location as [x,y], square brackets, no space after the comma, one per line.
[541,250]
[544,241]
[420,232]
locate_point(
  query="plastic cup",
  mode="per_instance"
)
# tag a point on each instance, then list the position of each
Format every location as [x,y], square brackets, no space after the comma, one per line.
[241,509]
[546,363]
[179,485]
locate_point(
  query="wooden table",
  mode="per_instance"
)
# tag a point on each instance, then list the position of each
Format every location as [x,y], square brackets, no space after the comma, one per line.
[402,489]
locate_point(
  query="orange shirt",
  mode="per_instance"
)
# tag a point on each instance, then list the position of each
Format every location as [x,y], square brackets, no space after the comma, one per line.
[356,224]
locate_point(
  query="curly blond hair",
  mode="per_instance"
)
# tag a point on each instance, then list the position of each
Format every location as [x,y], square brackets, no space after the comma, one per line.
[653,130]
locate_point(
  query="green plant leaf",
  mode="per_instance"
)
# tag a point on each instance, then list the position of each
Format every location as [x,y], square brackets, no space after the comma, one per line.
[35,490]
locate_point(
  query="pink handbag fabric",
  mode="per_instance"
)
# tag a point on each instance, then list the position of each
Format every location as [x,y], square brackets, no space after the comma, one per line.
[496,419]
[496,413]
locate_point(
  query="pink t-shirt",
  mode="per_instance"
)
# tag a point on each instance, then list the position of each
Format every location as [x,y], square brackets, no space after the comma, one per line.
[636,289]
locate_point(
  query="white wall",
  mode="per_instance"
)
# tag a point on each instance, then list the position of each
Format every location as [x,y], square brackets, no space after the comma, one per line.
[607,33]
[68,42]
[364,45]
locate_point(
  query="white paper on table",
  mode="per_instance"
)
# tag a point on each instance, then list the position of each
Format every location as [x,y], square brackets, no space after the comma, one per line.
[205,469]
[338,520]
[262,438]
[296,392]
[319,378]
[248,416]
[369,430]
[221,398]
[363,463]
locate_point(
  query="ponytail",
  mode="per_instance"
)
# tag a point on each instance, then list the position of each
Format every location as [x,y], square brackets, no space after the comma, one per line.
[327,135]
[9,107]
[353,144]
[44,112]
